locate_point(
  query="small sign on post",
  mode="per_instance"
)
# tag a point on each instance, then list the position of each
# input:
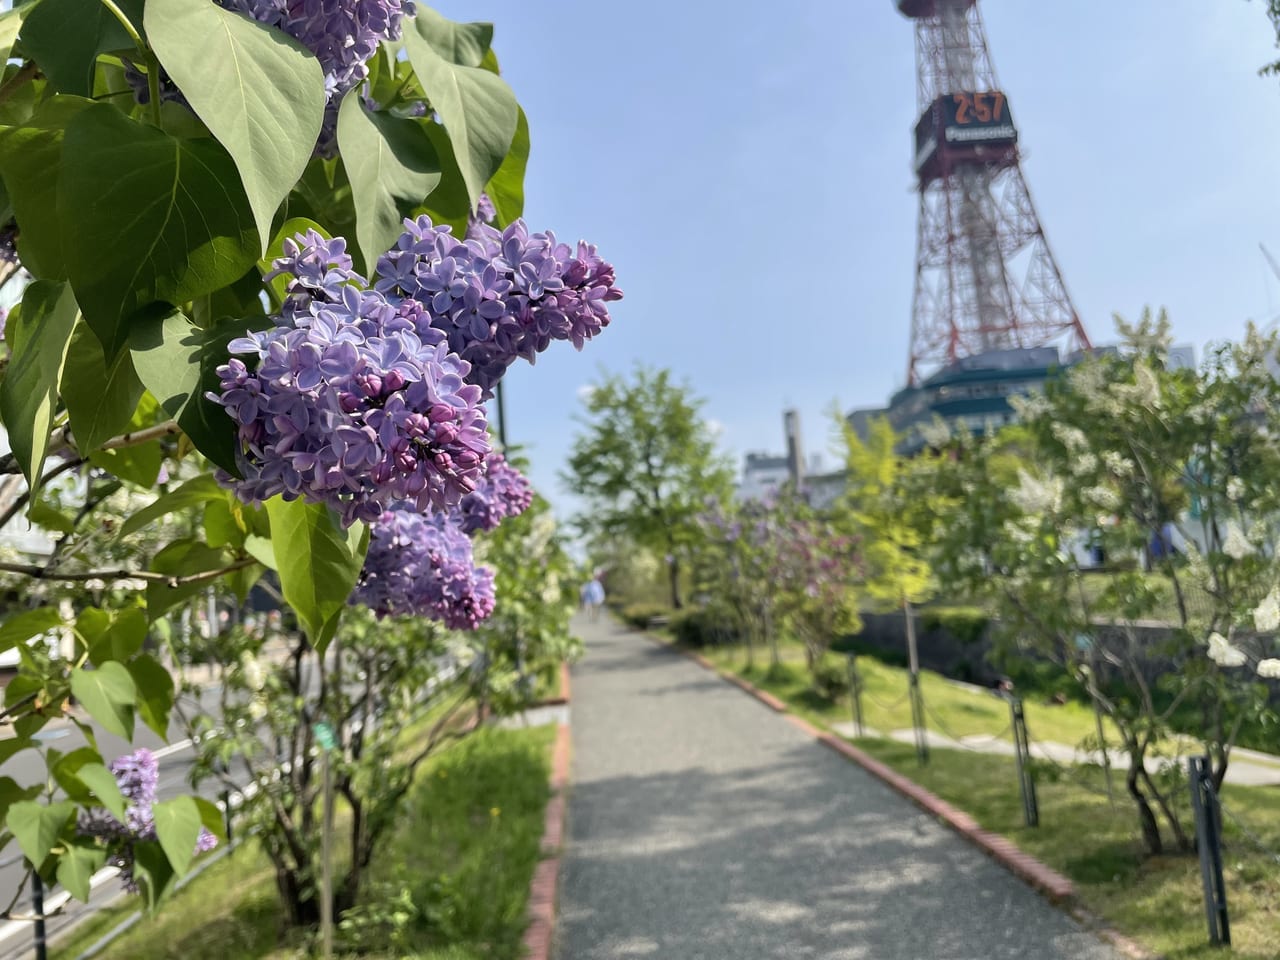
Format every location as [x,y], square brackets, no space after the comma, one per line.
[327,743]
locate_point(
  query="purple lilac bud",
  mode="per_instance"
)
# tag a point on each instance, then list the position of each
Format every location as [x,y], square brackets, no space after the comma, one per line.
[504,492]
[499,295]
[352,401]
[424,566]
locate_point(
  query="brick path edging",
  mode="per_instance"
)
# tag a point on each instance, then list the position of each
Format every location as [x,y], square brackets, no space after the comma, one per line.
[540,932]
[1044,879]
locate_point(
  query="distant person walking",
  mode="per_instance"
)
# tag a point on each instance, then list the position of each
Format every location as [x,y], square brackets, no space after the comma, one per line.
[592,597]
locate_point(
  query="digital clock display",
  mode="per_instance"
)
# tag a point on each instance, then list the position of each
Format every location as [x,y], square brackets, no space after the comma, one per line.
[977,118]
[960,126]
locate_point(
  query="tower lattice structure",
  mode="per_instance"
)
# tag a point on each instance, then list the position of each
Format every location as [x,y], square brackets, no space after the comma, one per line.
[985,277]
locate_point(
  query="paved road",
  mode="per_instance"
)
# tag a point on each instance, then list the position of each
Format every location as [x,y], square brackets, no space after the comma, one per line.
[702,826]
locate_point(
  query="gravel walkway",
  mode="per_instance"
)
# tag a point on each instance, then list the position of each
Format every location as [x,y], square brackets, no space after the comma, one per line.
[702,826]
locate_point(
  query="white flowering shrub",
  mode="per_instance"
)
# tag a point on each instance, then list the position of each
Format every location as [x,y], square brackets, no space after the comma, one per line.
[1133,494]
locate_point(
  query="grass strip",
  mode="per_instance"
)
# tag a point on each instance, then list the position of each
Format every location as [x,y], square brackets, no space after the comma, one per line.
[450,884]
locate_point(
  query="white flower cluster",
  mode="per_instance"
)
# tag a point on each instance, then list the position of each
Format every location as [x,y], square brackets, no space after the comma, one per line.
[1072,438]
[1083,463]
[935,433]
[1235,545]
[1028,406]
[1235,489]
[1103,497]
[1119,465]
[1266,616]
[1269,669]
[1223,653]
[1035,496]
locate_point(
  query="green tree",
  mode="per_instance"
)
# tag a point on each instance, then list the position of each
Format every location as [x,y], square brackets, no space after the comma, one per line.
[646,464]
[888,517]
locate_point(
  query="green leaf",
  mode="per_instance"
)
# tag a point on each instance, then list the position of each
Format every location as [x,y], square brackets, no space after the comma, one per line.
[260,92]
[100,397]
[213,819]
[104,788]
[140,463]
[317,560]
[261,550]
[11,793]
[506,189]
[108,694]
[178,830]
[30,160]
[42,514]
[392,167]
[155,692]
[65,38]
[152,870]
[122,637]
[194,492]
[175,211]
[220,526]
[179,559]
[37,826]
[76,867]
[29,391]
[462,43]
[10,24]
[178,362]
[24,626]
[477,108]
[448,203]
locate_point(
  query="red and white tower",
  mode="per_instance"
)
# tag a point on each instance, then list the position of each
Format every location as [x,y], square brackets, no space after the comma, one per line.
[985,278]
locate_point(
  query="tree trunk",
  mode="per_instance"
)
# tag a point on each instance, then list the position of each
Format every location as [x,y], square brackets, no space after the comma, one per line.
[673,570]
[1146,816]
[301,910]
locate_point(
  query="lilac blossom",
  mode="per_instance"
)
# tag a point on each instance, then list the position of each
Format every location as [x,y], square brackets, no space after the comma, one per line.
[352,399]
[504,492]
[424,566]
[137,775]
[499,295]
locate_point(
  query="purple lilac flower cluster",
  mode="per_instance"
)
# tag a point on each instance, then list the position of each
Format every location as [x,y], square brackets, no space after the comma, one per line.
[499,295]
[137,775]
[424,566]
[343,34]
[355,401]
[504,492]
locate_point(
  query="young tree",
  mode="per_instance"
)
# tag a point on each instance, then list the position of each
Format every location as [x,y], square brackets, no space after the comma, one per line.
[1165,472]
[888,514]
[645,464]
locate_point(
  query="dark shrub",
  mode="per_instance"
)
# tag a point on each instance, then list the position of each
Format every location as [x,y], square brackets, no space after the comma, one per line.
[640,615]
[830,679]
[705,627]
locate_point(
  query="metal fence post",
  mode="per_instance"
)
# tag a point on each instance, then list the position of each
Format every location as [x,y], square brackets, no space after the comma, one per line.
[1208,824]
[1022,754]
[917,720]
[37,908]
[855,694]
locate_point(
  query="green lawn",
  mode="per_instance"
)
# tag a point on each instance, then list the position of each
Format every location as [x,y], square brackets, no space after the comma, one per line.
[956,710]
[1081,834]
[451,884]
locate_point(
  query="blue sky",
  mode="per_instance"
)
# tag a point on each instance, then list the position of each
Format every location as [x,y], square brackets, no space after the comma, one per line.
[746,167]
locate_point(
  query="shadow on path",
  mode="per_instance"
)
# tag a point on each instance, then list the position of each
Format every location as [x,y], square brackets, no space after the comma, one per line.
[703,826]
